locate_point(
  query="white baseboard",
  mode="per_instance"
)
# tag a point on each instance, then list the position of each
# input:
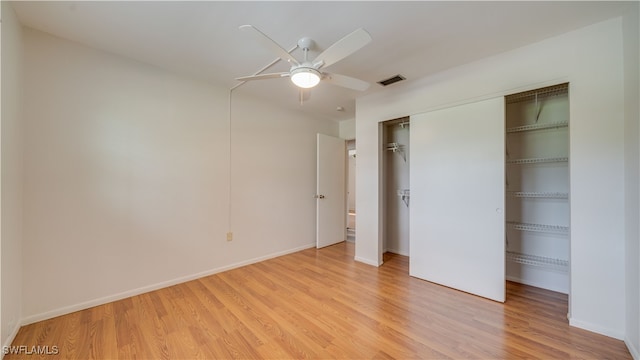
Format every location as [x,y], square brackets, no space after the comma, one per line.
[536,284]
[10,339]
[367,261]
[596,329]
[123,295]
[635,353]
[395,251]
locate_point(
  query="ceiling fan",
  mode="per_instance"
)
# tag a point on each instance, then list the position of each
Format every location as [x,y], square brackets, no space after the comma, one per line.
[308,73]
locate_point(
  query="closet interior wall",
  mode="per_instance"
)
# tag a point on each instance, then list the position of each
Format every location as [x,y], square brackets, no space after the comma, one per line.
[537,188]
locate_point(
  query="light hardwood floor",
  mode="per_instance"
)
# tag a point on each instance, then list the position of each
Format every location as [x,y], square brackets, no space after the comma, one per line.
[320,304]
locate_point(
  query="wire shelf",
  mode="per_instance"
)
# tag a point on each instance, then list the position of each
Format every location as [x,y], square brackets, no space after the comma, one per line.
[539,227]
[532,95]
[538,160]
[394,147]
[537,127]
[539,195]
[539,261]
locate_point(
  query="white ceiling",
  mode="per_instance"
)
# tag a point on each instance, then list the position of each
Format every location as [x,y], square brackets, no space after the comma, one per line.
[415,39]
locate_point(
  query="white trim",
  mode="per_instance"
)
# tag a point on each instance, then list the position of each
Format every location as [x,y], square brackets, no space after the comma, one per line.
[596,329]
[367,261]
[483,97]
[123,295]
[635,354]
[10,339]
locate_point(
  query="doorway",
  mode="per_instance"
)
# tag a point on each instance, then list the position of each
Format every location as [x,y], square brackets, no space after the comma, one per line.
[351,190]
[537,188]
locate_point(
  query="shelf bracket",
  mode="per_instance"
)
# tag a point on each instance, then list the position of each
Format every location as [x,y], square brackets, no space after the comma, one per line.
[538,108]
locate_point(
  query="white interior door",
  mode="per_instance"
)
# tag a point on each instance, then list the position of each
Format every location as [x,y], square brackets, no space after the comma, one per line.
[457,235]
[330,191]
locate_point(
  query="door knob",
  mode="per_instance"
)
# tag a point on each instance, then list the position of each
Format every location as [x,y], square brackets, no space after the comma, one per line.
[319,196]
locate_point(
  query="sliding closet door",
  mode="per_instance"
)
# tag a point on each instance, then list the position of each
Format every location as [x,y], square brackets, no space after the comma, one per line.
[457,198]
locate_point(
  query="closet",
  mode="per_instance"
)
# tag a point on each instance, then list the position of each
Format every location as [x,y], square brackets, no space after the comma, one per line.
[490,193]
[396,185]
[537,187]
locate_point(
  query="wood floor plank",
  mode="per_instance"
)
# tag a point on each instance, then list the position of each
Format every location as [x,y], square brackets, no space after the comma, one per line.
[320,304]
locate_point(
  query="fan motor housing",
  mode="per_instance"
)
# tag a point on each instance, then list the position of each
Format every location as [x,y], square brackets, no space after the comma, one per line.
[306,43]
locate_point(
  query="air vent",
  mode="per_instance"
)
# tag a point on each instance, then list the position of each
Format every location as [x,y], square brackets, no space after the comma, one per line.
[391,80]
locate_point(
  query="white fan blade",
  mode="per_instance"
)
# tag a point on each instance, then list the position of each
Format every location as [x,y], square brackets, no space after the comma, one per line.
[346,81]
[263,76]
[269,44]
[343,48]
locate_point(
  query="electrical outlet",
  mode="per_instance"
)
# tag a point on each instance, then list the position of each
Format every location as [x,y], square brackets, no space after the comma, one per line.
[229,236]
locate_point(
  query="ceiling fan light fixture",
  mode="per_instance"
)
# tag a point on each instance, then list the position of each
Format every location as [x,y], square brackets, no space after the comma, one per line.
[308,73]
[305,77]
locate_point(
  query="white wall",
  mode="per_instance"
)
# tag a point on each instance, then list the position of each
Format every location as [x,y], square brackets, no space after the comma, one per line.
[589,58]
[11,194]
[632,178]
[347,129]
[274,178]
[127,178]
